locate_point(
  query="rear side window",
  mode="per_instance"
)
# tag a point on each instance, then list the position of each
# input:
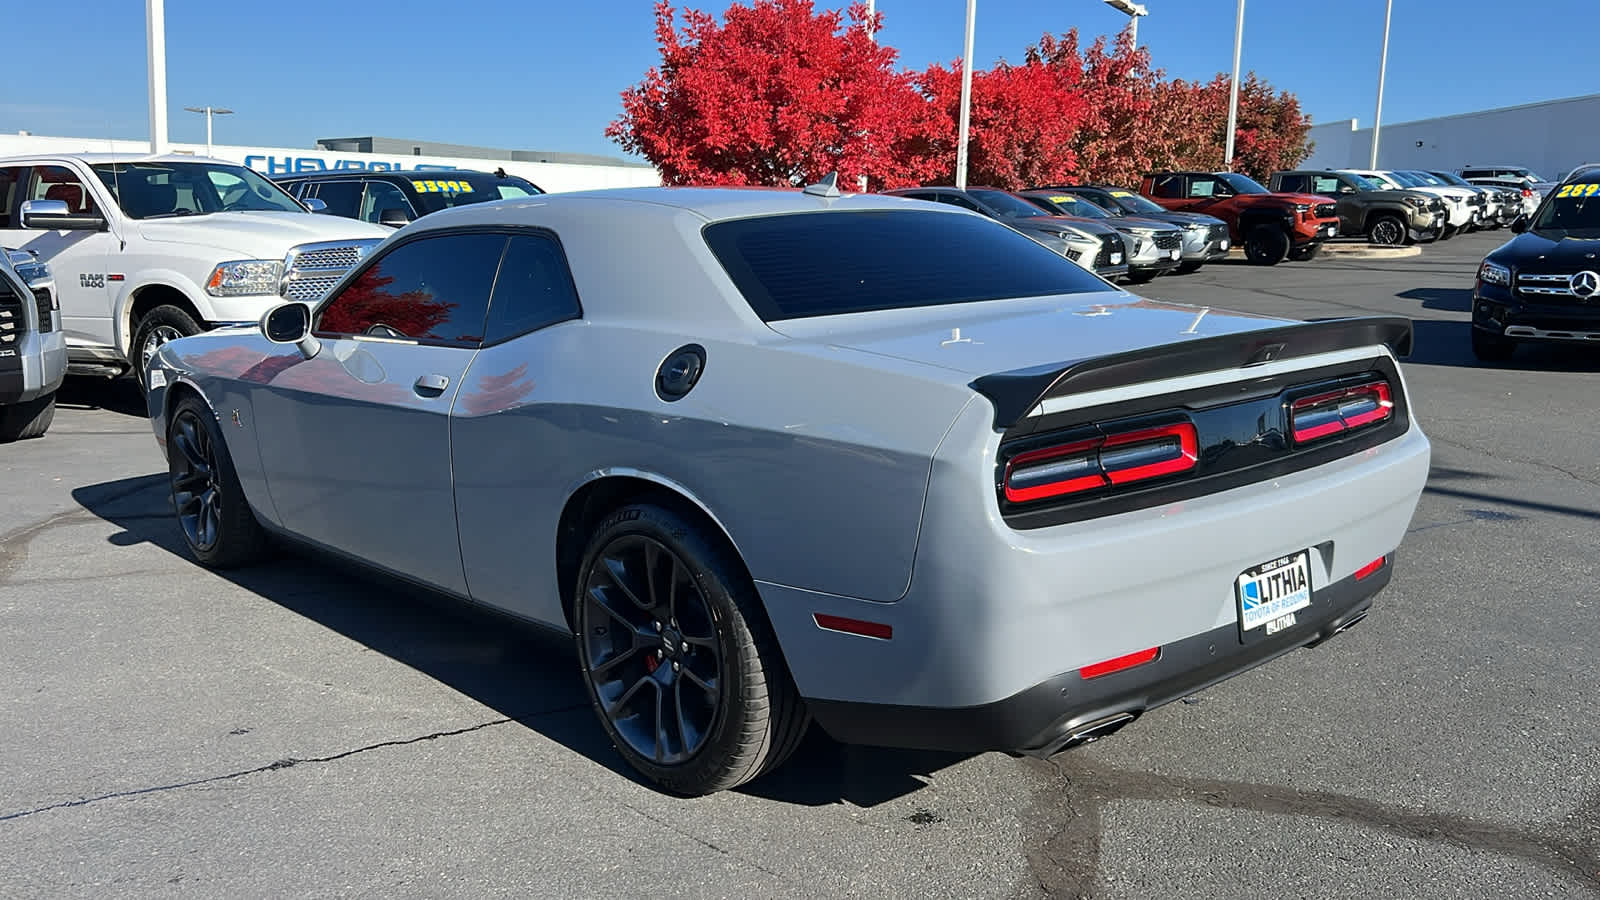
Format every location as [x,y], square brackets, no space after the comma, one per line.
[534,289]
[343,197]
[1293,184]
[1168,186]
[829,263]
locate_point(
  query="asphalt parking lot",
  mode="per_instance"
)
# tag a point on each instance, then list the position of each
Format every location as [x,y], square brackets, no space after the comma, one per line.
[293,730]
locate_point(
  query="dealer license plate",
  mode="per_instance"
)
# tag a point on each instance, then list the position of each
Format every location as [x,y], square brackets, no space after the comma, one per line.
[1271,593]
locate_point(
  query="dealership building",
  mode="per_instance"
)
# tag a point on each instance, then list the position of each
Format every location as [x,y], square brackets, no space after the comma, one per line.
[1550,137]
[553,172]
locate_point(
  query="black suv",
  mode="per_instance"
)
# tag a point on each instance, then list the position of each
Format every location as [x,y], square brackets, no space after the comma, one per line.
[1543,284]
[395,198]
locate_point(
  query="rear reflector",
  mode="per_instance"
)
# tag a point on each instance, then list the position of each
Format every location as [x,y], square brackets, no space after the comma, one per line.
[1120,663]
[1114,459]
[1371,567]
[854,626]
[1336,412]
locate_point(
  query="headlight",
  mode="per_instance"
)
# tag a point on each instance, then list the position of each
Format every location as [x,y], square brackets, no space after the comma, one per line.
[245,276]
[1494,273]
[1069,234]
[1302,208]
[1418,202]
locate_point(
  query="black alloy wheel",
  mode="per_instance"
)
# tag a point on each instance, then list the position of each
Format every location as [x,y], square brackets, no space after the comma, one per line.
[652,651]
[1387,231]
[193,465]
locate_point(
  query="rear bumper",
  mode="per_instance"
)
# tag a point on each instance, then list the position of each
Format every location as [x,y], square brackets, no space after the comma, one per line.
[1069,709]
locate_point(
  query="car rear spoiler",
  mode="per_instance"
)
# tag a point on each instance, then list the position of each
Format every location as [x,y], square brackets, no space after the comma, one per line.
[1016,392]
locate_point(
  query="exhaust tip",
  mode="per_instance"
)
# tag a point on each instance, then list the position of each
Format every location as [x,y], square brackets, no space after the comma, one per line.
[1092,731]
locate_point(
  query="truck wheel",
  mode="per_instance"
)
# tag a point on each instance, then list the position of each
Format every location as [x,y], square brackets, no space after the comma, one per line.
[1266,245]
[681,664]
[1388,231]
[159,325]
[21,421]
[213,514]
[1491,347]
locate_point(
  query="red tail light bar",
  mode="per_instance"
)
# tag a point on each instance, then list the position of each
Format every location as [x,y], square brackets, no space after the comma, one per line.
[1337,412]
[1112,459]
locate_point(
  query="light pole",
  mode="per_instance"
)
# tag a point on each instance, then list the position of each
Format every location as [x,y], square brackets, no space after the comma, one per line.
[209,112]
[155,40]
[872,6]
[1383,65]
[966,99]
[1134,11]
[1233,91]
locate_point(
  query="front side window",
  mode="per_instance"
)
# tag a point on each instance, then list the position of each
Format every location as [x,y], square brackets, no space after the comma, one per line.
[60,183]
[158,189]
[1203,186]
[433,289]
[343,197]
[1242,184]
[828,263]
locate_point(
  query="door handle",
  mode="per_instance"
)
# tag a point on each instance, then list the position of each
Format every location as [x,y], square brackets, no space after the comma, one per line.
[430,385]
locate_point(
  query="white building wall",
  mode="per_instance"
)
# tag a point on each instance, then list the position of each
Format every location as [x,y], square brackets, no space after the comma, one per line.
[270,161]
[1551,138]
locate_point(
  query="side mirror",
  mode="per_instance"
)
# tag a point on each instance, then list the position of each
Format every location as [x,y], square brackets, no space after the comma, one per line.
[1346,189]
[1519,224]
[394,217]
[52,215]
[290,323]
[315,205]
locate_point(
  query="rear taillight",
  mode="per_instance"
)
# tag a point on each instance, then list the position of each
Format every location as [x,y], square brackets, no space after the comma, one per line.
[1112,459]
[1333,413]
[1527,192]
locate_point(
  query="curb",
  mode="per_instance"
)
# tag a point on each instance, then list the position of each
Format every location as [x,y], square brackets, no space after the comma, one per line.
[1353,251]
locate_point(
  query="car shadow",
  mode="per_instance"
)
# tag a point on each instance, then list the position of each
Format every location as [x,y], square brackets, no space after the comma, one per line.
[1450,299]
[526,673]
[1439,342]
[118,395]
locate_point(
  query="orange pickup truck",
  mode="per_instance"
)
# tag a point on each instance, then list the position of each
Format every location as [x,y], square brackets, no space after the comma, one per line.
[1268,226]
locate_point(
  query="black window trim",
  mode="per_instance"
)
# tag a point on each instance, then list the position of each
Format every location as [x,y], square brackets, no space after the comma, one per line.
[507,231]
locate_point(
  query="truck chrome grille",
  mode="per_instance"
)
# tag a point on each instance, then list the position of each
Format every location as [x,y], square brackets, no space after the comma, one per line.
[310,270]
[1326,210]
[1549,287]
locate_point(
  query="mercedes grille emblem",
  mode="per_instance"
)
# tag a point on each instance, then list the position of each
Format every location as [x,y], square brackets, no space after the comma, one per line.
[1584,285]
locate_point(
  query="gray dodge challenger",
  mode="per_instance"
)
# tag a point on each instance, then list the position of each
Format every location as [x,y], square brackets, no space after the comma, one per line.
[776,457]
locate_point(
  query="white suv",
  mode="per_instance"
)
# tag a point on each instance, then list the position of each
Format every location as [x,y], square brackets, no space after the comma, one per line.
[145,249]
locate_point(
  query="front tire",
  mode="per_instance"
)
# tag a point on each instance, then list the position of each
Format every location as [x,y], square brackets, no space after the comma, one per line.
[23,421]
[1266,245]
[1386,231]
[155,328]
[213,514]
[1491,347]
[681,664]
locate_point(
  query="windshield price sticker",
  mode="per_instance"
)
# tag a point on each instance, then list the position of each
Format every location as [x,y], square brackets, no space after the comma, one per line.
[1579,190]
[431,186]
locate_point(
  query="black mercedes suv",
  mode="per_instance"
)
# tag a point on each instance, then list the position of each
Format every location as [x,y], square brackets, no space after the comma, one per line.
[1543,284]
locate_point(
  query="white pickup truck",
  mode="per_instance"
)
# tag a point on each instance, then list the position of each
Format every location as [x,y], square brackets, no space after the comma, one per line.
[146,249]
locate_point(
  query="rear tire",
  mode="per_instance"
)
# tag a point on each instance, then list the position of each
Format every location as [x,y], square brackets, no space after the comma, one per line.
[216,520]
[1491,347]
[23,421]
[1266,245]
[156,327]
[682,667]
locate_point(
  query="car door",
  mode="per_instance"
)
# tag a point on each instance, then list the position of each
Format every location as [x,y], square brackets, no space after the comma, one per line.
[355,441]
[511,430]
[1345,193]
[78,259]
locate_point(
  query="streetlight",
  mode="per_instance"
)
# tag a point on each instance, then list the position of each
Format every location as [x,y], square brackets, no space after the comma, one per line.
[966,100]
[1134,11]
[155,43]
[1383,65]
[1233,91]
[871,6]
[209,112]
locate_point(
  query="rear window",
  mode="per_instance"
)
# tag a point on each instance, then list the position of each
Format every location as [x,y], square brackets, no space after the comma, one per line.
[830,263]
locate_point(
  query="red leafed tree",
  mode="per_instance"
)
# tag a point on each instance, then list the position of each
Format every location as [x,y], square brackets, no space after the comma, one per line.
[1022,124]
[1271,130]
[776,94]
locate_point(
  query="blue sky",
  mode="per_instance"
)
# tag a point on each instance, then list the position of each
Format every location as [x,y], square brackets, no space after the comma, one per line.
[545,75]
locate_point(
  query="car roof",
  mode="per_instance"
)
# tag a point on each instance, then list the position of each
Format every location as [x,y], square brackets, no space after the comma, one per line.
[95,159]
[334,174]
